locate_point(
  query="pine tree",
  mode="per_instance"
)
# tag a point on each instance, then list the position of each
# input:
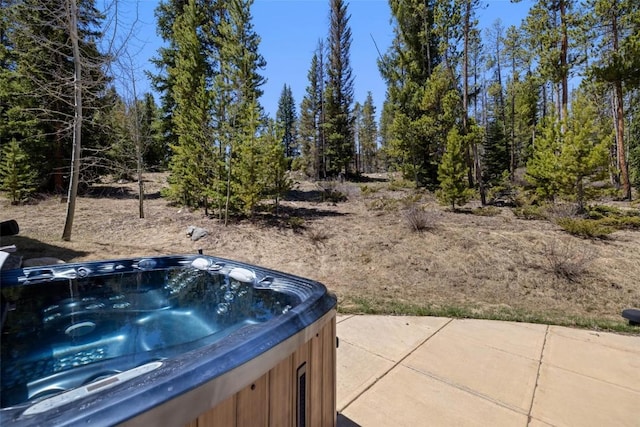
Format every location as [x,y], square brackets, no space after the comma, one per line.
[634,140]
[544,167]
[241,63]
[357,124]
[564,162]
[17,113]
[43,36]
[554,31]
[156,153]
[191,154]
[441,105]
[338,121]
[311,129]
[452,171]
[521,98]
[385,154]
[423,98]
[584,155]
[496,147]
[617,64]
[278,180]
[368,135]
[17,175]
[166,13]
[496,156]
[249,176]
[308,126]
[286,118]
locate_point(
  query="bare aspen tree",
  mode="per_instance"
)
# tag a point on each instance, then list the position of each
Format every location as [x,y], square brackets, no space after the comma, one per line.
[76,149]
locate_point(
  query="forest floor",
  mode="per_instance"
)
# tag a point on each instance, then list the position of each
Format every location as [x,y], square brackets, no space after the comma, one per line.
[462,264]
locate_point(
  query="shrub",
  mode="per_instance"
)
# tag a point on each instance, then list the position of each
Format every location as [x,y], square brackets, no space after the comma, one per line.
[331,193]
[383,204]
[400,184]
[486,211]
[562,210]
[530,212]
[584,228]
[418,220]
[565,261]
[613,214]
[317,235]
[621,223]
[367,190]
[602,211]
[296,223]
[411,199]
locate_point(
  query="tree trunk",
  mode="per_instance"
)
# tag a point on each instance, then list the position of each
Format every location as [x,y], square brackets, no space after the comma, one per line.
[465,91]
[76,152]
[564,51]
[620,148]
[228,199]
[139,149]
[619,117]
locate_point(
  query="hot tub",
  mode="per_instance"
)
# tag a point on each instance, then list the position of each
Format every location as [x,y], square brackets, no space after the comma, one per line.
[175,340]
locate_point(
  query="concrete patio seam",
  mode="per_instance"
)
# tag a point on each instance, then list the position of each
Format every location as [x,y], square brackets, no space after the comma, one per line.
[600,380]
[359,347]
[535,387]
[395,364]
[344,317]
[469,390]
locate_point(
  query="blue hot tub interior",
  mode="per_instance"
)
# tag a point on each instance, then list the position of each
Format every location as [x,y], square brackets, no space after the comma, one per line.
[68,326]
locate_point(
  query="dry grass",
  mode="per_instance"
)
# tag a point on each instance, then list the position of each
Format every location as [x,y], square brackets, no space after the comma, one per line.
[469,265]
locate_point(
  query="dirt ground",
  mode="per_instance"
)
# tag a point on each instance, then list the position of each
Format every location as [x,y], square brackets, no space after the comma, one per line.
[362,249]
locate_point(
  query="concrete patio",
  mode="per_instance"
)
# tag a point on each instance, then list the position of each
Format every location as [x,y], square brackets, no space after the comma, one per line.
[429,371]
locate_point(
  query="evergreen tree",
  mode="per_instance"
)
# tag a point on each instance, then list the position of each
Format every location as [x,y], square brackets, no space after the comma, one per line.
[338,122]
[413,134]
[17,175]
[521,98]
[368,135]
[441,105]
[156,152]
[211,95]
[617,64]
[286,118]
[308,126]
[166,13]
[452,171]
[17,119]
[357,124]
[311,129]
[250,173]
[278,180]
[554,32]
[585,152]
[523,121]
[386,148]
[41,37]
[496,151]
[496,156]
[190,164]
[634,140]
[241,63]
[564,162]
[544,167]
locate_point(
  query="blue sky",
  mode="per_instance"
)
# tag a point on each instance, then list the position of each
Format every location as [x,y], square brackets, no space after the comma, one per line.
[290,30]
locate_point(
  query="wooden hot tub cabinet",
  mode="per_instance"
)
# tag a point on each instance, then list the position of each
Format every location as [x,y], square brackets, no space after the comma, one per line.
[299,391]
